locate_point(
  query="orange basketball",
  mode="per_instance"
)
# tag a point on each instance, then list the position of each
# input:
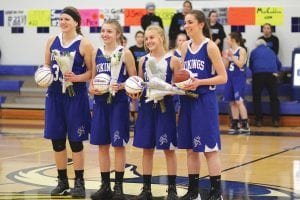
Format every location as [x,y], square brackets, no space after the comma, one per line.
[181,75]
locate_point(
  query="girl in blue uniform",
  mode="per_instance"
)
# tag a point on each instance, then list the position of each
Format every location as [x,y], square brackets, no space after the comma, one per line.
[198,128]
[110,123]
[154,128]
[235,61]
[68,116]
[181,38]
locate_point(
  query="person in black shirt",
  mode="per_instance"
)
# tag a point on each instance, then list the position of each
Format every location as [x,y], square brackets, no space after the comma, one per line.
[138,50]
[271,40]
[216,29]
[177,23]
[150,18]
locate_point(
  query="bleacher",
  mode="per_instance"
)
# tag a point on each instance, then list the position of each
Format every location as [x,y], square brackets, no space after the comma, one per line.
[19,91]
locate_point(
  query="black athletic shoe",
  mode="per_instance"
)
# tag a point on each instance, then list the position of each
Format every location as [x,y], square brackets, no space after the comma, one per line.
[191,195]
[62,188]
[118,192]
[244,128]
[146,194]
[215,195]
[172,193]
[234,127]
[79,189]
[104,193]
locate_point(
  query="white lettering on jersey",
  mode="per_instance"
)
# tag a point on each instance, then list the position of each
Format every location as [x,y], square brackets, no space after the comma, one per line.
[103,67]
[194,64]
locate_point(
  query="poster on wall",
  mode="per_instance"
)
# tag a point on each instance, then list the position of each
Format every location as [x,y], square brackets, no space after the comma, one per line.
[15,18]
[240,16]
[55,15]
[165,14]
[133,16]
[39,18]
[271,15]
[112,13]
[89,17]
[222,14]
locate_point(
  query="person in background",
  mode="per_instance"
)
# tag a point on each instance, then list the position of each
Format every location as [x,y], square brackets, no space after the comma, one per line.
[235,60]
[124,41]
[150,18]
[138,50]
[177,23]
[68,115]
[271,40]
[181,38]
[216,29]
[265,66]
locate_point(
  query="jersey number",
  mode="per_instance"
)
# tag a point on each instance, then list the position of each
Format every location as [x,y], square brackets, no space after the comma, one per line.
[56,72]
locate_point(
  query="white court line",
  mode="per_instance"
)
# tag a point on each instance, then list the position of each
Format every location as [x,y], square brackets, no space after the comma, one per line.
[23,155]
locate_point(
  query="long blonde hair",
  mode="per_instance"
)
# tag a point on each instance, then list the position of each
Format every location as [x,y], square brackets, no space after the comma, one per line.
[160,32]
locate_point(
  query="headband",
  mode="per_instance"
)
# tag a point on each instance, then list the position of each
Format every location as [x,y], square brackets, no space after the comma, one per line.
[72,13]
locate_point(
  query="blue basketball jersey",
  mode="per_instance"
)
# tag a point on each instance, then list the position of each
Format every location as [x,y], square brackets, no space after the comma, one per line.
[233,70]
[177,53]
[78,67]
[200,65]
[103,65]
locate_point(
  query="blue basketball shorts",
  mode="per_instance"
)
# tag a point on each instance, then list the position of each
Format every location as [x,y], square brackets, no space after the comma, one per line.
[234,89]
[110,122]
[67,116]
[198,126]
[155,128]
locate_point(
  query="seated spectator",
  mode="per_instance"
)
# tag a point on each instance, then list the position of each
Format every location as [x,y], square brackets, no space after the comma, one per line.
[150,18]
[265,66]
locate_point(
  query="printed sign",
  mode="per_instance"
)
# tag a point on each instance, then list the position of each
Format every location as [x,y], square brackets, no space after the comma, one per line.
[89,17]
[271,15]
[39,18]
[15,18]
[133,16]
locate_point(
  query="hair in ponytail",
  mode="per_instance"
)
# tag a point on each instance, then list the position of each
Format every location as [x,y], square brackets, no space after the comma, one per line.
[200,17]
[237,36]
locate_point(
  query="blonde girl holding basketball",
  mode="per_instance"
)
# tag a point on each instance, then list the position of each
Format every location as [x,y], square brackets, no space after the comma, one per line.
[155,128]
[110,124]
[67,114]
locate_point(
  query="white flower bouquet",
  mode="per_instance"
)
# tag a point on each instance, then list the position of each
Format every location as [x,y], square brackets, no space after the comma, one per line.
[65,63]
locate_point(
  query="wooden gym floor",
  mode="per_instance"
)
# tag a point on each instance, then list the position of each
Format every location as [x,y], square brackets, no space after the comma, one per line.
[262,165]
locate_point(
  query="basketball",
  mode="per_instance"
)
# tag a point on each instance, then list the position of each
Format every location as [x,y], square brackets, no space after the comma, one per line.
[43,76]
[134,84]
[182,77]
[101,82]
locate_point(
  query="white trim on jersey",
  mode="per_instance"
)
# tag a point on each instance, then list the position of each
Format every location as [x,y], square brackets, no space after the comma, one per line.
[60,36]
[200,46]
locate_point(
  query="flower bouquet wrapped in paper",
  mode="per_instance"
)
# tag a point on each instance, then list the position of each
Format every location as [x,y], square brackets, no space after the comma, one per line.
[116,64]
[157,87]
[65,63]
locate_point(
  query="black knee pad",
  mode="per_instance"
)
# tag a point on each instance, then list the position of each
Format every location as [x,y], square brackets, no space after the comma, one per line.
[76,146]
[59,145]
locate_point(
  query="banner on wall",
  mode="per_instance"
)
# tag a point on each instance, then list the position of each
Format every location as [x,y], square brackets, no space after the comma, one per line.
[15,18]
[166,15]
[271,15]
[241,16]
[113,13]
[55,15]
[89,17]
[133,16]
[222,14]
[39,18]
